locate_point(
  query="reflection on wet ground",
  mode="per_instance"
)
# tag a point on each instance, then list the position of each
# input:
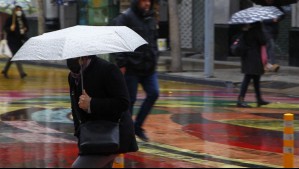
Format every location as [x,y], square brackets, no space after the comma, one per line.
[191,126]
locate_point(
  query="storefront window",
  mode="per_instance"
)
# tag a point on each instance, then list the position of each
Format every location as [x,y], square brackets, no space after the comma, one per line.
[97,12]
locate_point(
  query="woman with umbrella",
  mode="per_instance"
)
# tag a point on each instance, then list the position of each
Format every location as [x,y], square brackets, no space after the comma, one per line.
[105,97]
[253,41]
[99,95]
[16,28]
[252,63]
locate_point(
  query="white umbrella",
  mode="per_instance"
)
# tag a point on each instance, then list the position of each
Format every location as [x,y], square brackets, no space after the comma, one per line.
[255,14]
[80,41]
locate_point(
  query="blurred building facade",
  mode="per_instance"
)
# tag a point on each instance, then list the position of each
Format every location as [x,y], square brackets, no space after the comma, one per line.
[65,13]
[191,13]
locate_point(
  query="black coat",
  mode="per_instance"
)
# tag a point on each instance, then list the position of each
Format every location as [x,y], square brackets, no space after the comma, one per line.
[14,38]
[105,84]
[252,63]
[144,61]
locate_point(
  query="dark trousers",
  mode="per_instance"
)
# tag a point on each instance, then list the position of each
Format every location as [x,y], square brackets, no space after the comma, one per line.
[256,81]
[150,85]
[14,49]
[271,51]
[94,162]
[8,65]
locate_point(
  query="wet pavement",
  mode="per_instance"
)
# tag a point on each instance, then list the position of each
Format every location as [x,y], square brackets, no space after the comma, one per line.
[191,126]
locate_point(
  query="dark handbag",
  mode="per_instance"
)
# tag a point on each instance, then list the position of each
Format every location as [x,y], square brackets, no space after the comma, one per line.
[99,137]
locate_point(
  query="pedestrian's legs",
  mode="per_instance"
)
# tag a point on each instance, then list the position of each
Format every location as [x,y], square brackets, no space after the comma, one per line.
[257,87]
[7,66]
[272,66]
[271,51]
[94,161]
[20,69]
[14,49]
[245,85]
[244,88]
[132,84]
[151,86]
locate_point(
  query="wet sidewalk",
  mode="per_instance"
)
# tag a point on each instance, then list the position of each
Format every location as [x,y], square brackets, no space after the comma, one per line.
[228,74]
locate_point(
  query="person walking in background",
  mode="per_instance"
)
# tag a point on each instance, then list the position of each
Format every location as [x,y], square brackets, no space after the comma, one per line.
[105,98]
[140,67]
[252,63]
[271,30]
[16,28]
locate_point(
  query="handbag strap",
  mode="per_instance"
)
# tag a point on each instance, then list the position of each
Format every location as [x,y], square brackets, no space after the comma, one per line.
[73,100]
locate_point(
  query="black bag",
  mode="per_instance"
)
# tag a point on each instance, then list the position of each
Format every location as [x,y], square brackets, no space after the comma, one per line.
[238,47]
[99,137]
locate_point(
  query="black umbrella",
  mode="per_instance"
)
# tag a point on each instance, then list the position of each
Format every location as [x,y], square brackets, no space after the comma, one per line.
[274,2]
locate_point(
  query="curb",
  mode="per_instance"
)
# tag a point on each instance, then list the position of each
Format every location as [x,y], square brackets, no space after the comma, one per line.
[218,83]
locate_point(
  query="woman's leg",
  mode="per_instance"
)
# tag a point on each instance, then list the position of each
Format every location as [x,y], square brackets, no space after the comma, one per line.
[7,66]
[14,49]
[244,89]
[257,87]
[245,85]
[6,69]
[21,70]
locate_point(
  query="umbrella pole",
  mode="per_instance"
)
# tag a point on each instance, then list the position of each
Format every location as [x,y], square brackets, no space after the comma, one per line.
[82,80]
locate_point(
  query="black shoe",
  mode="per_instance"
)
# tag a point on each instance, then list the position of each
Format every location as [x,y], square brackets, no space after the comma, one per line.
[242,104]
[5,74]
[140,133]
[23,75]
[262,103]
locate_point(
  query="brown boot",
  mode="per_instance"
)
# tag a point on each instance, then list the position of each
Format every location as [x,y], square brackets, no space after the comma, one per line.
[268,67]
[275,68]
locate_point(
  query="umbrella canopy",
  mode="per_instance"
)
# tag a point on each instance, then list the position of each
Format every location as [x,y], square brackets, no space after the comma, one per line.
[255,14]
[274,2]
[80,41]
[6,6]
